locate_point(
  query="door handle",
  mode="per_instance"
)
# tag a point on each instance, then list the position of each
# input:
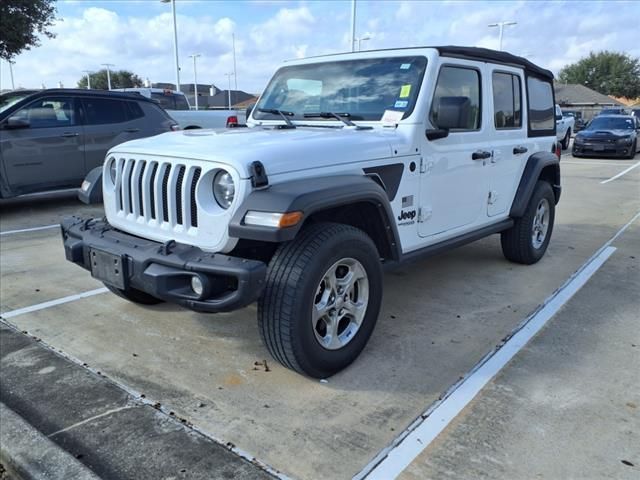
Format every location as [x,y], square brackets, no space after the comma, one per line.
[480,155]
[69,134]
[132,130]
[519,150]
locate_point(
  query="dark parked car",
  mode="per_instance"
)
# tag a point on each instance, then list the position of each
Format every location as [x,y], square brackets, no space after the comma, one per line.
[50,139]
[609,135]
[613,111]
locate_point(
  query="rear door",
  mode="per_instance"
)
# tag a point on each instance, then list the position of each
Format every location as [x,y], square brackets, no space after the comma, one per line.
[108,122]
[47,153]
[511,147]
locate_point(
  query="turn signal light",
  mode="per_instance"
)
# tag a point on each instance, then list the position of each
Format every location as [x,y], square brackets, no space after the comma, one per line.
[272,219]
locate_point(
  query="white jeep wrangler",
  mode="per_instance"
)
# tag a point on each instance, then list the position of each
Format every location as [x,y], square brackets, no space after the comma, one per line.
[351,162]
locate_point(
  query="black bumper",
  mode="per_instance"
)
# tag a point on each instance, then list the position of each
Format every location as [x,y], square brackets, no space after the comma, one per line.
[606,150]
[162,270]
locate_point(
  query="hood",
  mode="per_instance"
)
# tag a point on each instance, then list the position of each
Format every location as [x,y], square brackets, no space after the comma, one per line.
[279,150]
[615,134]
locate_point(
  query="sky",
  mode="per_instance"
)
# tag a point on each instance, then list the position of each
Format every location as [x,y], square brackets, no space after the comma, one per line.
[137,35]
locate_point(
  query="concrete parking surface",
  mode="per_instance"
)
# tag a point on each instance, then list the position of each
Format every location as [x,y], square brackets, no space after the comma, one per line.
[543,416]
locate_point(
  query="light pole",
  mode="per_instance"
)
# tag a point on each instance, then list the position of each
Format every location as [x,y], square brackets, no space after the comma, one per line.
[501,26]
[362,39]
[353,25]
[229,75]
[175,41]
[108,73]
[235,77]
[195,78]
[13,87]
[88,72]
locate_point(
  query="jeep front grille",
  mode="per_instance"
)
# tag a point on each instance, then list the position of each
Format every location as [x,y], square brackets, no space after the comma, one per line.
[158,192]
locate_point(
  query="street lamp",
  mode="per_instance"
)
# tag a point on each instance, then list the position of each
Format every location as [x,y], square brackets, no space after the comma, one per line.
[195,77]
[108,73]
[353,25]
[88,72]
[175,40]
[229,75]
[13,87]
[362,39]
[501,26]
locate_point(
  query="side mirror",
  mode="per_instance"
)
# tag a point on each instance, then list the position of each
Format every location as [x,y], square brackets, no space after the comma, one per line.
[558,117]
[435,134]
[14,123]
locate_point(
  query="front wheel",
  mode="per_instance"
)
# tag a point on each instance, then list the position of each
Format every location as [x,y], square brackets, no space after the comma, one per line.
[632,153]
[527,241]
[322,299]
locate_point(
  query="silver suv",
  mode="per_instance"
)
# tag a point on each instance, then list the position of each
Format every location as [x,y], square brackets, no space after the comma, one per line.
[50,139]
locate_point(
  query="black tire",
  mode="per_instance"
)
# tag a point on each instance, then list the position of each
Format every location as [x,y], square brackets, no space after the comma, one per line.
[632,154]
[294,282]
[517,242]
[566,139]
[135,296]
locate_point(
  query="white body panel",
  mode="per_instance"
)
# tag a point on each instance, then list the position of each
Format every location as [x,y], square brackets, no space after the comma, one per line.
[205,118]
[563,124]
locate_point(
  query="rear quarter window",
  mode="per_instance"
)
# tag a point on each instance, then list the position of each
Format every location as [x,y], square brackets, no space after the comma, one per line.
[102,111]
[541,107]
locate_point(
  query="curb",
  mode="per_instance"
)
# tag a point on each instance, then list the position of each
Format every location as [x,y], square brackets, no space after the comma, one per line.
[28,454]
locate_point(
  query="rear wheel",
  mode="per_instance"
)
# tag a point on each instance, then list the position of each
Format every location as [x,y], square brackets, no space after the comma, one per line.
[322,299]
[135,296]
[527,241]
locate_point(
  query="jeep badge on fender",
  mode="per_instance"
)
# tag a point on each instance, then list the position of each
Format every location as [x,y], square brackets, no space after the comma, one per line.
[350,162]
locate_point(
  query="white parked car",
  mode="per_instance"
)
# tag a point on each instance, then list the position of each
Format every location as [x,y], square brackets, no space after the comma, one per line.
[352,162]
[177,106]
[565,126]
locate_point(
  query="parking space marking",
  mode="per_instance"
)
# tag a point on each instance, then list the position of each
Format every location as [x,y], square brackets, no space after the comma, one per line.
[431,423]
[391,461]
[52,303]
[34,229]
[609,164]
[621,173]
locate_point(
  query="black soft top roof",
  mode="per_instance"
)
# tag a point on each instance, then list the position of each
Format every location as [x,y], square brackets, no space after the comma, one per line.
[487,54]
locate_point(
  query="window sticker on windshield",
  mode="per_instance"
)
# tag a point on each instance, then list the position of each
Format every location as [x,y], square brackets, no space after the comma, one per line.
[405,91]
[391,117]
[405,66]
[401,104]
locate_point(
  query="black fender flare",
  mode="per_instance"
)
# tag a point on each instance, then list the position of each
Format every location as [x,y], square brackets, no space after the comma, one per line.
[312,195]
[90,191]
[540,164]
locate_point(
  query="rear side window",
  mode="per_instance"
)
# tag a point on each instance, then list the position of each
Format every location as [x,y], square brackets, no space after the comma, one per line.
[170,101]
[101,111]
[507,106]
[134,110]
[541,107]
[460,86]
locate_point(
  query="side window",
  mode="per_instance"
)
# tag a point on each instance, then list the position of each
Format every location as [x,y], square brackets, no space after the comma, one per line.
[541,107]
[507,106]
[101,111]
[181,102]
[456,102]
[48,112]
[134,110]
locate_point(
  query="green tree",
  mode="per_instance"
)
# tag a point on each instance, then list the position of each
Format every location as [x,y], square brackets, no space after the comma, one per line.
[21,22]
[119,79]
[611,73]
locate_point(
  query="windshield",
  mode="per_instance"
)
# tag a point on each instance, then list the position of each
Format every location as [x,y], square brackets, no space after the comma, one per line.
[611,123]
[8,99]
[363,89]
[170,101]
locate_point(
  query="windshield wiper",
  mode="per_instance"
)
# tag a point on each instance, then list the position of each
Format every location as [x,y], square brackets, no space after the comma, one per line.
[339,116]
[283,113]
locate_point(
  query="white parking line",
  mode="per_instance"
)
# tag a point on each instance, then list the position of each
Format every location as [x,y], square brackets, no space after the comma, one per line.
[52,303]
[391,461]
[34,229]
[621,173]
[609,164]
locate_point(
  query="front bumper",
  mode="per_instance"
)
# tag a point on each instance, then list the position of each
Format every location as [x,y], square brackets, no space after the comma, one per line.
[602,149]
[162,270]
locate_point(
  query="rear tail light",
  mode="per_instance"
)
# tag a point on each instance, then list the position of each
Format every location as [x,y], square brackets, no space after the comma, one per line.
[232,121]
[175,128]
[557,149]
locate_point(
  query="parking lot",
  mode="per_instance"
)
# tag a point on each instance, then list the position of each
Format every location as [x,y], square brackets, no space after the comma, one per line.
[440,317]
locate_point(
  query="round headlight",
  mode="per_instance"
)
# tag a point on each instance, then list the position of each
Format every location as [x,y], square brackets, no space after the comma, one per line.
[223,188]
[113,172]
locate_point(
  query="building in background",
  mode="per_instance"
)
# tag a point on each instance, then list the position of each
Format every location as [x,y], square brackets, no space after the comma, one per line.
[573,96]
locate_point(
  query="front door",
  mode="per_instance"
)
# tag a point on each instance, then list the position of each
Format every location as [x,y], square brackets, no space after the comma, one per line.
[47,151]
[454,186]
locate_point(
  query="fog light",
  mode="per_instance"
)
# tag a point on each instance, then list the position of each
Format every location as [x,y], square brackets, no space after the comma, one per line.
[85,186]
[197,286]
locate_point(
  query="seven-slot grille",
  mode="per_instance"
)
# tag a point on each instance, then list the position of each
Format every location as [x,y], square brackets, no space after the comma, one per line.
[158,191]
